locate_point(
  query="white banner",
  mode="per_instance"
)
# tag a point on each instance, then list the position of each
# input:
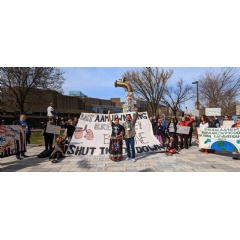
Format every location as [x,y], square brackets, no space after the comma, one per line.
[93,131]
[221,139]
[213,111]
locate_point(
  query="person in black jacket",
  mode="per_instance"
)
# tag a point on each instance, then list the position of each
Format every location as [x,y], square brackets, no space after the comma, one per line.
[157,131]
[48,137]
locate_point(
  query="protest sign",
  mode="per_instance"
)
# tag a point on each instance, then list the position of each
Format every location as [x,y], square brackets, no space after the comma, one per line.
[213,111]
[227,124]
[221,139]
[53,129]
[12,140]
[92,134]
[183,129]
[195,112]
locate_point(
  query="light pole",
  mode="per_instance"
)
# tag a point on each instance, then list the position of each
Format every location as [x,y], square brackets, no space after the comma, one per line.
[196,82]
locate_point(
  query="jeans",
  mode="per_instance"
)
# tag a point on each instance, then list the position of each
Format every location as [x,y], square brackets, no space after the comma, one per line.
[130,141]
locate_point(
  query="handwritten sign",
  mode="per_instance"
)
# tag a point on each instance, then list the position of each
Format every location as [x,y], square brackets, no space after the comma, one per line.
[183,129]
[53,129]
[213,111]
[227,124]
[221,139]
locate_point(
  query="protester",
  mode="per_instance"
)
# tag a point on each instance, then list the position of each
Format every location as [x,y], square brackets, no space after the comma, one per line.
[22,121]
[184,137]
[48,137]
[172,146]
[215,121]
[236,155]
[190,124]
[70,128]
[62,123]
[59,149]
[130,133]
[172,127]
[157,131]
[164,127]
[226,118]
[75,121]
[50,111]
[116,139]
[204,123]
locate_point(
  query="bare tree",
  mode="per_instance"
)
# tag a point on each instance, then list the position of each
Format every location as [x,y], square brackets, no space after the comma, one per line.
[219,89]
[18,83]
[149,84]
[175,96]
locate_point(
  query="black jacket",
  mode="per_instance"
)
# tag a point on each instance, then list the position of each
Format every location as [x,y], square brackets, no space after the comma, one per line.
[157,130]
[174,145]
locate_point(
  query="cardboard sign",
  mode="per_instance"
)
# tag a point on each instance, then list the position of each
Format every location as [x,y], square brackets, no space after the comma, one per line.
[213,111]
[195,112]
[93,132]
[53,129]
[183,129]
[227,124]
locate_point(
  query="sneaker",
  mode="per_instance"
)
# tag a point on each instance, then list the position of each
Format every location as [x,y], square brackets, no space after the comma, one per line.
[134,159]
[128,158]
[18,157]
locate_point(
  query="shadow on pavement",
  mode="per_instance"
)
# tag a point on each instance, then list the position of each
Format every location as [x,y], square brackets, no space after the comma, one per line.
[147,170]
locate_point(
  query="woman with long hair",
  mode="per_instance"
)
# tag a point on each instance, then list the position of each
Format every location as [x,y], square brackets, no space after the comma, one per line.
[116,139]
[204,123]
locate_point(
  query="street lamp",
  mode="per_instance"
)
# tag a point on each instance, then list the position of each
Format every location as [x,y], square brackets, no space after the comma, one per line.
[196,82]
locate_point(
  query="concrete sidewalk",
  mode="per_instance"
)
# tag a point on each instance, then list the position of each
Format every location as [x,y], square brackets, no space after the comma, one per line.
[189,160]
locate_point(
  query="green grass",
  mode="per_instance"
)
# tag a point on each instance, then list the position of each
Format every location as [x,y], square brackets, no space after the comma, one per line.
[37,137]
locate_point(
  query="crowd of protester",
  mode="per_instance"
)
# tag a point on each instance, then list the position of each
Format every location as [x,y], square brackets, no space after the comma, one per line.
[165,131]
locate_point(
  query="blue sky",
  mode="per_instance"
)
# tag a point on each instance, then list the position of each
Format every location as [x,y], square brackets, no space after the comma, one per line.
[98,82]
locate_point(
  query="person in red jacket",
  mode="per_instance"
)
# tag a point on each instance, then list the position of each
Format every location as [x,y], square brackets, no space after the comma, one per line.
[184,137]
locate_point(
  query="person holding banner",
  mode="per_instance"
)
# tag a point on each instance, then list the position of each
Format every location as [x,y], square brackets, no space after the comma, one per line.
[26,137]
[130,133]
[204,123]
[236,125]
[116,139]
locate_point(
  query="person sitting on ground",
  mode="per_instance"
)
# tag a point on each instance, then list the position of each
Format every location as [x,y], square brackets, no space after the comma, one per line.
[172,146]
[59,149]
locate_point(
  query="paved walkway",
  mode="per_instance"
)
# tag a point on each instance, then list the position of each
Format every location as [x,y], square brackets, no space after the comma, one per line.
[190,160]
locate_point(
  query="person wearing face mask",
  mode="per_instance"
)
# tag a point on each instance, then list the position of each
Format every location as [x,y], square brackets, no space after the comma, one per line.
[129,127]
